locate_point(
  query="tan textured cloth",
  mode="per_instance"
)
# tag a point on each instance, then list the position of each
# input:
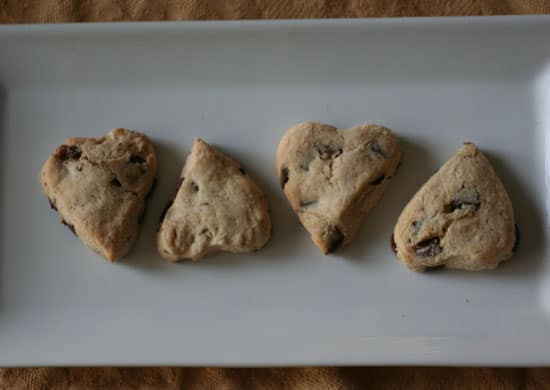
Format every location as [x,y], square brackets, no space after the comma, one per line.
[55,11]
[328,378]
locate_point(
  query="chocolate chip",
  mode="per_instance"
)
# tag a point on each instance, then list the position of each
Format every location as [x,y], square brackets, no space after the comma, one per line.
[378,180]
[68,152]
[462,199]
[516,244]
[79,168]
[334,238]
[328,151]
[376,148]
[308,203]
[393,246]
[136,159]
[71,227]
[116,183]
[428,248]
[52,204]
[284,177]
[194,186]
[242,171]
[455,205]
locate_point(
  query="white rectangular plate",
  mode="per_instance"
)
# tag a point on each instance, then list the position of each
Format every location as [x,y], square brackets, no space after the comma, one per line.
[240,85]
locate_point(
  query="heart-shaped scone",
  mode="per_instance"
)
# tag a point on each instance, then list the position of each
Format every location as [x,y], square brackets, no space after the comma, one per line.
[461,218]
[217,207]
[99,186]
[332,177]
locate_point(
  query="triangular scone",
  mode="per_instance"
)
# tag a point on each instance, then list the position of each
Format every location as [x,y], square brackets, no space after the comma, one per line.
[332,177]
[99,186]
[461,218]
[217,207]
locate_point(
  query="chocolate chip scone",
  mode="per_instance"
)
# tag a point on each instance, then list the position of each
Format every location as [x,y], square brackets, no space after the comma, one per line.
[217,207]
[332,177]
[461,218]
[99,186]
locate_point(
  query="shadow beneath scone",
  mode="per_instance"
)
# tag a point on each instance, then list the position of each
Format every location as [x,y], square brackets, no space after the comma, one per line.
[372,243]
[170,160]
[529,252]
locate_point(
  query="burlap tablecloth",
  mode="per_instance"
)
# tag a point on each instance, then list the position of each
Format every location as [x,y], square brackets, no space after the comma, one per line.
[55,11]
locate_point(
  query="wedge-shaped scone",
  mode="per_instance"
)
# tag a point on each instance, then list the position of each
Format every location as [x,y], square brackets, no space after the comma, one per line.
[217,207]
[332,177]
[99,186]
[461,218]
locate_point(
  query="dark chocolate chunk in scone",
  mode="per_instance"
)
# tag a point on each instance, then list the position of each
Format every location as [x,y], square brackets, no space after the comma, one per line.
[332,177]
[99,185]
[461,218]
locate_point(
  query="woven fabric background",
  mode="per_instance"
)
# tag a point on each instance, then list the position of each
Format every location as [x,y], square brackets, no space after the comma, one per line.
[57,11]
